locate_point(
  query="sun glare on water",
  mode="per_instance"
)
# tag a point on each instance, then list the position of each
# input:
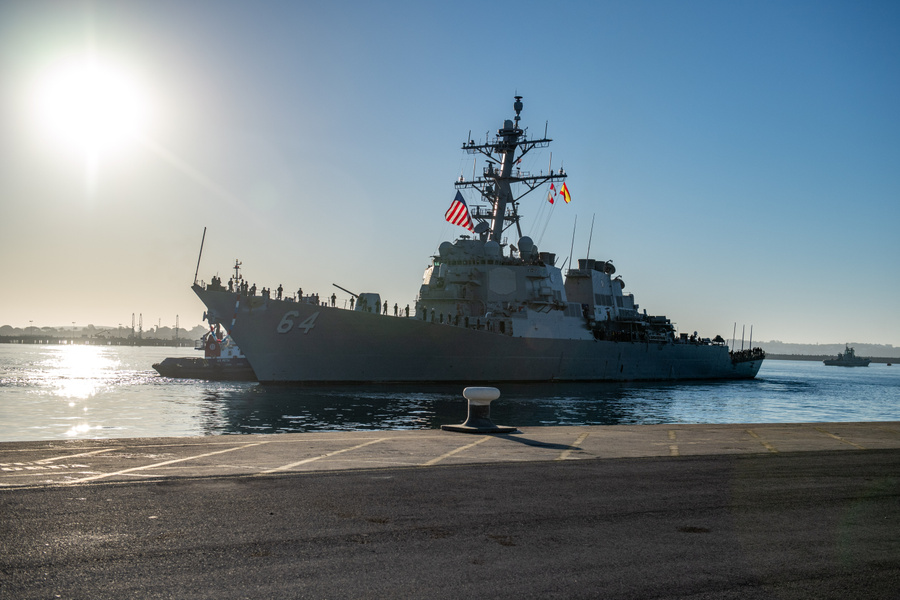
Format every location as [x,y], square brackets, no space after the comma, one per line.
[90,106]
[80,371]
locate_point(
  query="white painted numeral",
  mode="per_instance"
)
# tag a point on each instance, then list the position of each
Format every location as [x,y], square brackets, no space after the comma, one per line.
[309,323]
[287,322]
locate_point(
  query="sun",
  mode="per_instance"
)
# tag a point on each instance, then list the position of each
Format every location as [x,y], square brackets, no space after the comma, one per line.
[90,106]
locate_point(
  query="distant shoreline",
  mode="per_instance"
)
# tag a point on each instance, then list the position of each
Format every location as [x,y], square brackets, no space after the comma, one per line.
[93,341]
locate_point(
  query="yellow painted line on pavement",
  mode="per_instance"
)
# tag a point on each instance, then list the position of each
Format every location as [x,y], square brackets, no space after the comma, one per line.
[767,445]
[673,448]
[434,461]
[162,464]
[565,453]
[314,458]
[838,438]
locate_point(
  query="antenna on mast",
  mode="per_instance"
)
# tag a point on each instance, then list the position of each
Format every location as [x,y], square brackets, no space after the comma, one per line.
[201,254]
[572,247]
[591,237]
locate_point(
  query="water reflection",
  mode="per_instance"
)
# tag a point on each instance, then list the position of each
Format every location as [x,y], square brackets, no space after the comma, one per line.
[77,371]
[76,374]
[791,396]
[65,392]
[258,408]
[75,391]
[273,409]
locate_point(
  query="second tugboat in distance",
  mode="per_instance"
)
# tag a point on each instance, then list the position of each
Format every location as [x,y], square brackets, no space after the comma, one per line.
[847,359]
[486,312]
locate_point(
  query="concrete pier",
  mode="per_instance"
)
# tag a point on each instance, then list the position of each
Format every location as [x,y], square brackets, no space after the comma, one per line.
[660,511]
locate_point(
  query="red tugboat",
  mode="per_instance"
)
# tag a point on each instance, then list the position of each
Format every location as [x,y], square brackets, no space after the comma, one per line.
[222,361]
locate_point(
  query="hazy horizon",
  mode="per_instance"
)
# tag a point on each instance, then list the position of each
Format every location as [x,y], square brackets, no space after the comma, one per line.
[739,158]
[153,326]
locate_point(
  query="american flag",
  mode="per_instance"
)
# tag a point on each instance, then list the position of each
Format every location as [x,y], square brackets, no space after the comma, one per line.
[458,213]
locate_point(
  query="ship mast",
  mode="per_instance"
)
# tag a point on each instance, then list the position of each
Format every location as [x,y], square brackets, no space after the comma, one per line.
[495,185]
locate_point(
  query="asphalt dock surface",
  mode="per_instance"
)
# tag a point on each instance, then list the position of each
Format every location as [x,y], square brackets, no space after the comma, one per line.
[656,511]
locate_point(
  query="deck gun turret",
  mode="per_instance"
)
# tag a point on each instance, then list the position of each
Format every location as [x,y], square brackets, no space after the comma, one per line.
[365,301]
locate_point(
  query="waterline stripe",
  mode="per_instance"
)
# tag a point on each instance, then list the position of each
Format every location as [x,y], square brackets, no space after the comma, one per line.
[565,453]
[162,464]
[309,460]
[434,461]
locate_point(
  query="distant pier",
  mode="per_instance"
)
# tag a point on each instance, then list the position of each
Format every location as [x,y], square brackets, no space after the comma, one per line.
[95,341]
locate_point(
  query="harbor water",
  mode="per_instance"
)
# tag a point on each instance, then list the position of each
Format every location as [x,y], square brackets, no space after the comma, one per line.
[53,392]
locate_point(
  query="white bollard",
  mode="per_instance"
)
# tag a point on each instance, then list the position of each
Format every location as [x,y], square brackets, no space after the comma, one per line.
[479,418]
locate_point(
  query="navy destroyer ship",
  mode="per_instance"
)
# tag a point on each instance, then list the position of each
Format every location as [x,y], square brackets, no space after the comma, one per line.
[486,311]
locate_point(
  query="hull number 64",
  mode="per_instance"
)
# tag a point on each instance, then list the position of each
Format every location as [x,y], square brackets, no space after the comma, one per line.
[287,322]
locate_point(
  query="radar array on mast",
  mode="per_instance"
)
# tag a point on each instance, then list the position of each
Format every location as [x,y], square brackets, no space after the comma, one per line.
[495,183]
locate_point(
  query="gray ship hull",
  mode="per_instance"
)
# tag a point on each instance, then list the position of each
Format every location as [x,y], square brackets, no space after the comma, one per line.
[842,362]
[305,343]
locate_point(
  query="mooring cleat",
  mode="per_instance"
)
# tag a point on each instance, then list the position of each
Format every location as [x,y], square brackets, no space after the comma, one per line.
[479,419]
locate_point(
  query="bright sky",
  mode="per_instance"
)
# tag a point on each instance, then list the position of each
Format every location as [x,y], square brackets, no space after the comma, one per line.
[742,159]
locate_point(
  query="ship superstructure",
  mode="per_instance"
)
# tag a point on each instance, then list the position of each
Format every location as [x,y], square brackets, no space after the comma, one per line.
[487,311]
